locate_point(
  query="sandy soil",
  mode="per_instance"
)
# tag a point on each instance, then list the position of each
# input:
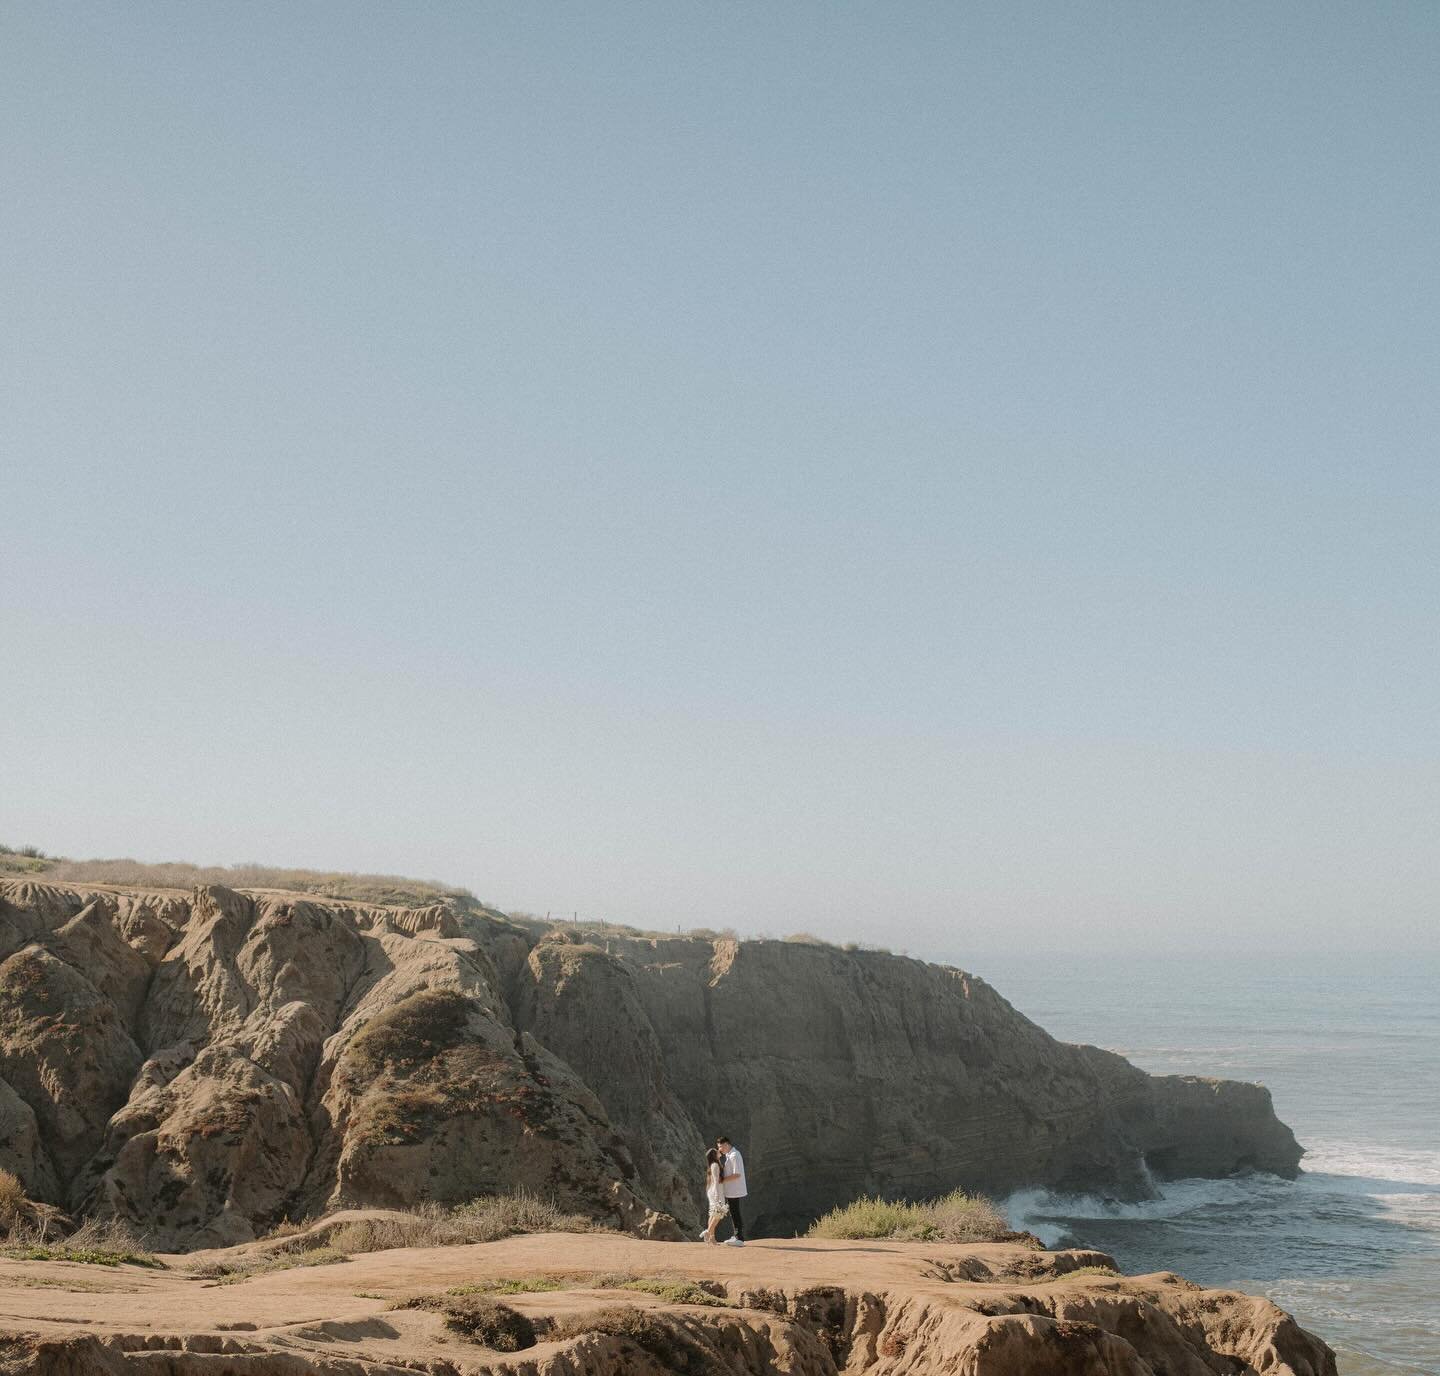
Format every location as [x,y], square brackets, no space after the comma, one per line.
[797,1306]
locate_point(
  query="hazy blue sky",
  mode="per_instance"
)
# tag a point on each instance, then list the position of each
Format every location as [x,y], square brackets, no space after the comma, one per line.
[943,474]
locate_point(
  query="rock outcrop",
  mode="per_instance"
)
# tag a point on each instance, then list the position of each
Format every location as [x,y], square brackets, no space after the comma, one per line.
[802,1308]
[208,1064]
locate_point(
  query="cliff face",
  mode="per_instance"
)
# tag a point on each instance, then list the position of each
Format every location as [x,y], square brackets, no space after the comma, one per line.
[845,1073]
[209,1063]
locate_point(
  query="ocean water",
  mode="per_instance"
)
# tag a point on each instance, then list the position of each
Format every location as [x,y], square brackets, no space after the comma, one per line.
[1350,1050]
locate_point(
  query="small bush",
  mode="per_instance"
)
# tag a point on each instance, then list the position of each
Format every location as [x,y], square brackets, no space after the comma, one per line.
[662,1337]
[492,1217]
[287,1227]
[513,1285]
[487,1219]
[15,1209]
[89,1256]
[233,1272]
[1089,1271]
[955,1217]
[479,1319]
[673,1291]
[97,1242]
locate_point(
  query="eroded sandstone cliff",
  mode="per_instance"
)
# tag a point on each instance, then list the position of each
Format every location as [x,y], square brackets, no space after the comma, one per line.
[208,1063]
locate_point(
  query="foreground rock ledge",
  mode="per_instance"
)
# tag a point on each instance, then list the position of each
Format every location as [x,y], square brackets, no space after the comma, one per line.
[801,1307]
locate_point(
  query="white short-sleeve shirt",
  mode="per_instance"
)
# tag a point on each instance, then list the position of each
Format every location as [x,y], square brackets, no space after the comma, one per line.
[735,1165]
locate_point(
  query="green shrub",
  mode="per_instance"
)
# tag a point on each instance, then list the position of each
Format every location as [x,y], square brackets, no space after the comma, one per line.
[955,1217]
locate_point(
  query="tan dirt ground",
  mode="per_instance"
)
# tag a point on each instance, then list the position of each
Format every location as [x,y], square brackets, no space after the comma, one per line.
[800,1306]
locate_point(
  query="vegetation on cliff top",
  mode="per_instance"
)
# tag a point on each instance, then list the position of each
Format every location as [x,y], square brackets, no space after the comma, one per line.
[389,890]
[487,1219]
[662,1337]
[479,1320]
[383,890]
[33,1232]
[954,1217]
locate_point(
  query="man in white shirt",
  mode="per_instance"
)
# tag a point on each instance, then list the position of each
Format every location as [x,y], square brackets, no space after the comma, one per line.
[732,1180]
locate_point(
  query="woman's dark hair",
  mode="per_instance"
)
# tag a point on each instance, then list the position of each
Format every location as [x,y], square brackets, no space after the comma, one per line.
[712,1157]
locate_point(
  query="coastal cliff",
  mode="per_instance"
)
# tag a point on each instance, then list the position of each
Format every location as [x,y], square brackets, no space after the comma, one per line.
[208,1063]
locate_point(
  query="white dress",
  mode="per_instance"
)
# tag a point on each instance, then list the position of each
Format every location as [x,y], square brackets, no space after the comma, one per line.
[715,1192]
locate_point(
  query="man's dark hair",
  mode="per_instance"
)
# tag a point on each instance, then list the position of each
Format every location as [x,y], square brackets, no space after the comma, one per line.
[724,1139]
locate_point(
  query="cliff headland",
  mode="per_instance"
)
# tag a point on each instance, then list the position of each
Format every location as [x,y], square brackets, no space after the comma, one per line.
[206,1063]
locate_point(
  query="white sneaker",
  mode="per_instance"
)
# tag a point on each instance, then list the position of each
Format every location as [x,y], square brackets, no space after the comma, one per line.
[704,1237]
[734,1242]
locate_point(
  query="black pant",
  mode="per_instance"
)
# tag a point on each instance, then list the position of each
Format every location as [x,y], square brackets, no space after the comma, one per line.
[736,1222]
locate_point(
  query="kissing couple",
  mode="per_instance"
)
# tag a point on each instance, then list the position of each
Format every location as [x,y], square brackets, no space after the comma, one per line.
[724,1189]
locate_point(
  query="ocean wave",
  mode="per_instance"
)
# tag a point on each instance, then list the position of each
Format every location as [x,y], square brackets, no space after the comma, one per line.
[1374,1164]
[1403,1183]
[1044,1212]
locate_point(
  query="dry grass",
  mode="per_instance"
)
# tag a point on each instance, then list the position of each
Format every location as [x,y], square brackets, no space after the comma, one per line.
[388,889]
[73,1284]
[955,1217]
[515,1285]
[487,1219]
[482,1220]
[15,1207]
[657,1335]
[23,860]
[428,1225]
[670,1288]
[97,1242]
[233,1272]
[23,1219]
[479,1319]
[676,1290]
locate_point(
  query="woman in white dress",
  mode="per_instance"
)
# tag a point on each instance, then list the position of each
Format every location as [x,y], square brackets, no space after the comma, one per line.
[714,1195]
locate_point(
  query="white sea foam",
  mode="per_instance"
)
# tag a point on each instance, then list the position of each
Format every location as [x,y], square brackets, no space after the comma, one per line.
[1402,1183]
[1044,1212]
[1375,1165]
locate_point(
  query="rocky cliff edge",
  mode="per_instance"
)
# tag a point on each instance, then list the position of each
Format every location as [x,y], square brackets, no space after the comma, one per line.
[208,1063]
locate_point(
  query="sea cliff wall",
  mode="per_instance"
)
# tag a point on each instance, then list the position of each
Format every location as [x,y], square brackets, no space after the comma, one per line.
[208,1063]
